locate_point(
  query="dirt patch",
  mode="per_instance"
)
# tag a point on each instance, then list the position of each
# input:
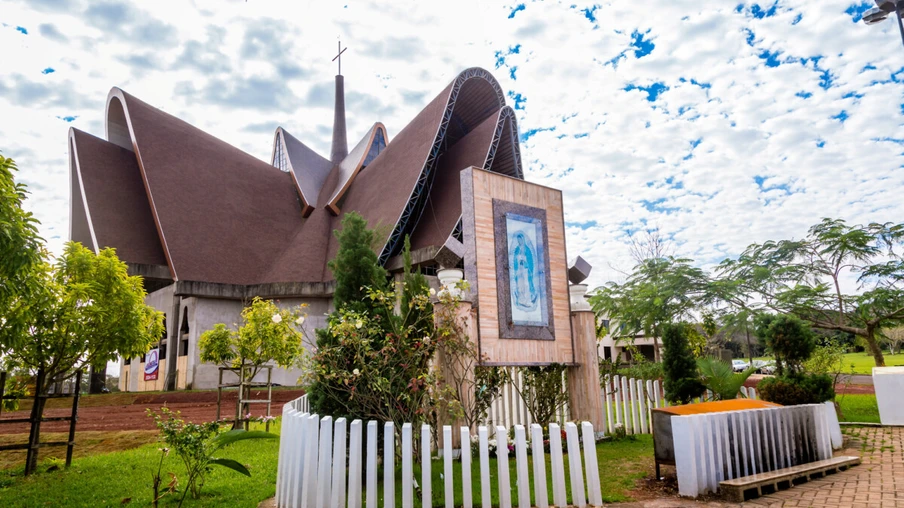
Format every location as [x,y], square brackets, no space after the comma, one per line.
[127,411]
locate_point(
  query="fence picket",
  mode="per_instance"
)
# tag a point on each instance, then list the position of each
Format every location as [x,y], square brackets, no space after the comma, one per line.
[354,466]
[505,486]
[558,466]
[627,408]
[325,462]
[540,497]
[642,406]
[578,495]
[591,465]
[388,465]
[426,491]
[484,467]
[523,483]
[309,485]
[616,392]
[371,480]
[447,467]
[407,468]
[338,498]
[466,494]
[607,394]
[635,423]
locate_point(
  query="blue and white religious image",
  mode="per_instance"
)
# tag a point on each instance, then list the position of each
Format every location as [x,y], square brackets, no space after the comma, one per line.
[527,280]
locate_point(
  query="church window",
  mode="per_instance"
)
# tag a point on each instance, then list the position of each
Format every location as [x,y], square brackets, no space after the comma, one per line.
[183,334]
[280,160]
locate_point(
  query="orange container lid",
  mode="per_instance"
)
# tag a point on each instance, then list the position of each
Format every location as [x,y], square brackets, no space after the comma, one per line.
[717,407]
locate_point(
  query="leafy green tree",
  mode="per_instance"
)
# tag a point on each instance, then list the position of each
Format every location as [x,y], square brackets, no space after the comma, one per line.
[790,339]
[22,256]
[805,278]
[681,381]
[358,274]
[356,266]
[86,311]
[658,291]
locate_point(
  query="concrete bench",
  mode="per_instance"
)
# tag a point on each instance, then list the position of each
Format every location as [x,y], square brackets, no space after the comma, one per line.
[749,487]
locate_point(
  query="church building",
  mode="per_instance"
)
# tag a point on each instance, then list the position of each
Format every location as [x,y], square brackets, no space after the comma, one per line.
[210,227]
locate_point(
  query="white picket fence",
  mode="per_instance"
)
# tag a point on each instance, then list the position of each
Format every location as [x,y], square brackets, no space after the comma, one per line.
[628,402]
[321,463]
[712,447]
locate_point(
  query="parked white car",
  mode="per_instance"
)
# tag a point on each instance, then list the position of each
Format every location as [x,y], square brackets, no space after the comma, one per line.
[739,365]
[768,368]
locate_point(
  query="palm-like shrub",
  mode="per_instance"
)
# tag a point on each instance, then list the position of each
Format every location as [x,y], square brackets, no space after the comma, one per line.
[721,379]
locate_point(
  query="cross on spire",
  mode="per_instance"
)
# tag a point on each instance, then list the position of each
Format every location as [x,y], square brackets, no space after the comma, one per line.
[339,55]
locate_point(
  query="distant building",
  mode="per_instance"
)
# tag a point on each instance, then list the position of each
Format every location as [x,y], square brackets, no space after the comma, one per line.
[209,226]
[615,345]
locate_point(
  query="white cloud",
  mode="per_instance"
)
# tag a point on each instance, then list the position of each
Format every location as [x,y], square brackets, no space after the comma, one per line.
[624,163]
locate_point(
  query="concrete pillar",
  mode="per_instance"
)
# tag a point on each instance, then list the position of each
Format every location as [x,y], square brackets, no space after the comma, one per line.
[458,372]
[585,397]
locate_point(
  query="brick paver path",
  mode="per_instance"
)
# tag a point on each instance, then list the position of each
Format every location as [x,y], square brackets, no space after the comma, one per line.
[876,483]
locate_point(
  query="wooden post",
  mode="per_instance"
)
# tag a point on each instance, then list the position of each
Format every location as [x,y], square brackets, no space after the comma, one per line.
[585,397]
[34,435]
[73,417]
[466,318]
[2,390]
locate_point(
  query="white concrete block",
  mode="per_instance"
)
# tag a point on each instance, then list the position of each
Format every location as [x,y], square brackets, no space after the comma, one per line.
[889,384]
[833,425]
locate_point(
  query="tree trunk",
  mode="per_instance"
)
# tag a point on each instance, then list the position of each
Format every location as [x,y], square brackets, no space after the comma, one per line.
[874,347]
[656,356]
[749,348]
[98,379]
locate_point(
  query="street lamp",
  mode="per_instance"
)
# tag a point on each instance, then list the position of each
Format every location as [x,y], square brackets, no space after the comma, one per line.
[883,9]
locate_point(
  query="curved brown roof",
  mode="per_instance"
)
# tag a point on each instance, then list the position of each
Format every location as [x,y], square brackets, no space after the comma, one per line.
[214,213]
[112,192]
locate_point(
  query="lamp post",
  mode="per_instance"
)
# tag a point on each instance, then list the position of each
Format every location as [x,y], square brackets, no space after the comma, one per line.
[884,9]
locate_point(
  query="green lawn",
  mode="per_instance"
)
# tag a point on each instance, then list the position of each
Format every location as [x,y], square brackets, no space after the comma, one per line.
[858,408]
[124,477]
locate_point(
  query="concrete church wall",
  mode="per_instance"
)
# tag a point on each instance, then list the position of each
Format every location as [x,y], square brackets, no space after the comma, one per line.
[203,314]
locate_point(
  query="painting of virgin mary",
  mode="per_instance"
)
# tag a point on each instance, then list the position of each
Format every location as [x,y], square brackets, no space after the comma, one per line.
[526,265]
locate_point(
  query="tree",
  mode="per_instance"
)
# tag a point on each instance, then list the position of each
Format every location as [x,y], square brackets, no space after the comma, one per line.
[790,339]
[267,335]
[681,382]
[805,278]
[21,257]
[356,266]
[658,291]
[358,273]
[85,310]
[894,337]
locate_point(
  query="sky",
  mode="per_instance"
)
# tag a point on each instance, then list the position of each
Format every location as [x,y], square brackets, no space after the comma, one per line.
[718,123]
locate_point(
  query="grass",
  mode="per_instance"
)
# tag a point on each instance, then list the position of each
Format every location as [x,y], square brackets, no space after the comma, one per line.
[86,444]
[124,476]
[858,408]
[862,363]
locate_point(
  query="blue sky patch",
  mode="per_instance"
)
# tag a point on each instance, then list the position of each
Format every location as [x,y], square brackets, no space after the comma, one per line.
[518,8]
[797,19]
[642,47]
[532,132]
[804,95]
[583,225]
[821,143]
[841,116]
[653,90]
[855,11]
[759,13]
[48,70]
[22,29]
[751,37]
[518,98]
[589,13]
[771,58]
[68,119]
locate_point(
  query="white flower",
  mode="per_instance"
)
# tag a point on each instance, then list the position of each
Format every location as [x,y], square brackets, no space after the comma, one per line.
[299,321]
[356,372]
[277,318]
[432,292]
[359,323]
